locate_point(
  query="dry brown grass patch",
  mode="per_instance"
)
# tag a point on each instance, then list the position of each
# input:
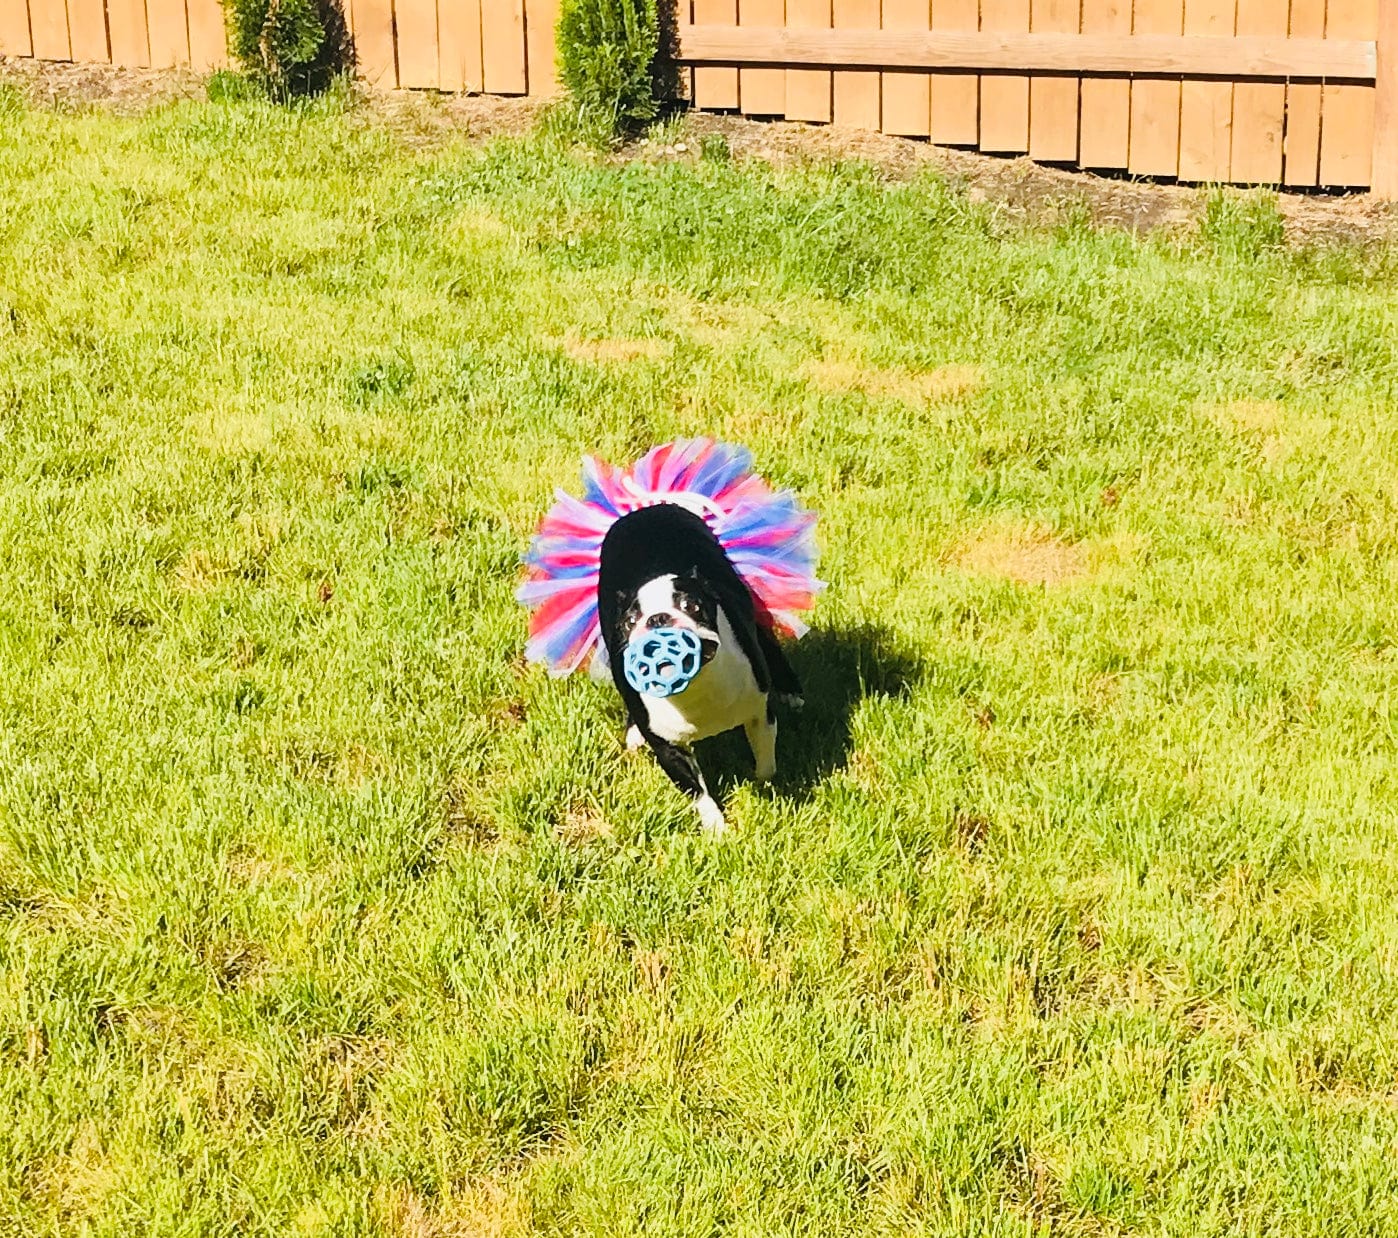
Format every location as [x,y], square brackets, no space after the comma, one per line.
[79,1180]
[236,433]
[484,1209]
[1022,554]
[1250,416]
[617,350]
[198,570]
[582,824]
[944,382]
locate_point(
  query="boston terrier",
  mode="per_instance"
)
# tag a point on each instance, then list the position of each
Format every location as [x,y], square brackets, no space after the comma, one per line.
[662,569]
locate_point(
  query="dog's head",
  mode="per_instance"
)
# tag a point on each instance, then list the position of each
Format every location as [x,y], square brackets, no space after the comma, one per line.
[674,602]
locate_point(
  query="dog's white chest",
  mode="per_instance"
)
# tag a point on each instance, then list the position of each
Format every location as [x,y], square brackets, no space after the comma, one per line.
[722,696]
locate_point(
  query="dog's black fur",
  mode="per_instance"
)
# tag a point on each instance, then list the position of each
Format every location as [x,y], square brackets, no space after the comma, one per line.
[666,539]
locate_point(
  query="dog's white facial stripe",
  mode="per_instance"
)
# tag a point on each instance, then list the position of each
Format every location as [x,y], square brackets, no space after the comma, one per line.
[656,596]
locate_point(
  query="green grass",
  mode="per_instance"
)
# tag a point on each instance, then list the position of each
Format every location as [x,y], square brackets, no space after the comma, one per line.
[1076,911]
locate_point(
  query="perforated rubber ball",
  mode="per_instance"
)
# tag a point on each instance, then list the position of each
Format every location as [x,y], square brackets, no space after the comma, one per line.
[662,661]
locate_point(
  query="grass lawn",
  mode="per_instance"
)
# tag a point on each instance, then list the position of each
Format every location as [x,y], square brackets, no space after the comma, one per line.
[1075,910]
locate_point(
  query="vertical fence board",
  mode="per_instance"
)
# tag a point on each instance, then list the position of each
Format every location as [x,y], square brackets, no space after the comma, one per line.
[809,91]
[1259,108]
[1301,136]
[907,96]
[87,30]
[1005,96]
[762,92]
[955,97]
[126,28]
[208,38]
[1053,101]
[459,44]
[14,29]
[1155,105]
[716,87]
[48,27]
[1206,108]
[1347,112]
[372,24]
[169,33]
[857,90]
[415,30]
[1384,180]
[502,46]
[1104,140]
[540,19]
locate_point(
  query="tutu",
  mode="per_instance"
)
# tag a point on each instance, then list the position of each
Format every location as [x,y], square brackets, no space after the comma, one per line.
[768,537]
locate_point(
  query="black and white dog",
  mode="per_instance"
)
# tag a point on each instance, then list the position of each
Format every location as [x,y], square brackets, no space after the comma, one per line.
[662,567]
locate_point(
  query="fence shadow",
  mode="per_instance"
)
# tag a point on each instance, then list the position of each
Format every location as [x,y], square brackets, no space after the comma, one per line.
[838,668]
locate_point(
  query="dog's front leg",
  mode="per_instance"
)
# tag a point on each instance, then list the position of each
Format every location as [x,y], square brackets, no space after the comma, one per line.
[684,772]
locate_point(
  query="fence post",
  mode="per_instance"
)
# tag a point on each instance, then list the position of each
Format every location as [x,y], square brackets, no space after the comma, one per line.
[1385,166]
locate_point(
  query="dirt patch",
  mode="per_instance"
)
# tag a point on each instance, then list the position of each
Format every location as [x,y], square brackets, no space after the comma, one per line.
[946,382]
[123,91]
[419,117]
[1015,185]
[616,351]
[1022,554]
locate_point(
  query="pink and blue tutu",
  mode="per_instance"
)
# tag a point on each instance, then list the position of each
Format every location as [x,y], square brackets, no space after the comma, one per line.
[768,537]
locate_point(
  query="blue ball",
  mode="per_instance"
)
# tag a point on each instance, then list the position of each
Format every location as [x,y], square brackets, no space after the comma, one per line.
[662,661]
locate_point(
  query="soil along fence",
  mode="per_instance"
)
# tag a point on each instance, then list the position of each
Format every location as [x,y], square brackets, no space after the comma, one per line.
[499,46]
[1294,92]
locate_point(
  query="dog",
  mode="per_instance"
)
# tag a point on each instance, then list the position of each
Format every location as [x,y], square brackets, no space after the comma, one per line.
[661,567]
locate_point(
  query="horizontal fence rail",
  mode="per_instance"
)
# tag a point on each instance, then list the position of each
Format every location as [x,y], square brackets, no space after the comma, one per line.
[1237,58]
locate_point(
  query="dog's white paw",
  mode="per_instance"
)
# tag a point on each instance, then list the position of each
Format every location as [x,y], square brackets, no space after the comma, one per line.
[765,771]
[790,700]
[634,739]
[711,816]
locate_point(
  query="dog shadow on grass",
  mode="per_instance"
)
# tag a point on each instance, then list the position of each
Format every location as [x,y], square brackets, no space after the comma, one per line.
[838,668]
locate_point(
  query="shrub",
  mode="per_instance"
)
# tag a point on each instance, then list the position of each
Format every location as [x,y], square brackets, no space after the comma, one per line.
[289,47]
[606,52]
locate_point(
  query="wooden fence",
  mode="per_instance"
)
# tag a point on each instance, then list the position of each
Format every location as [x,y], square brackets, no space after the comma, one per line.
[1295,92]
[499,46]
